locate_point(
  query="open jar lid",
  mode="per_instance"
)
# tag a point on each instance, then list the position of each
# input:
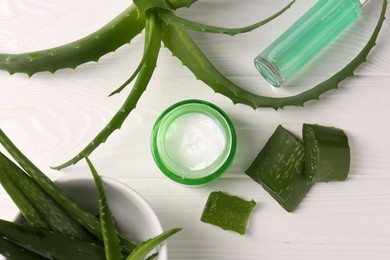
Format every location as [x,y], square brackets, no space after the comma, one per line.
[193,142]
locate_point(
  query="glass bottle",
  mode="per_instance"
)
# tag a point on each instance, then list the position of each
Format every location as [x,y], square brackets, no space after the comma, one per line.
[281,60]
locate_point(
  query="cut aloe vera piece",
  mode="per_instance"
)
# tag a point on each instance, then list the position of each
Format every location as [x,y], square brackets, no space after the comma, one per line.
[228,212]
[327,153]
[279,169]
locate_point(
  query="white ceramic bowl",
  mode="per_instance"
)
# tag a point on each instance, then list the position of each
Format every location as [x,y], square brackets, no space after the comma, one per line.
[133,215]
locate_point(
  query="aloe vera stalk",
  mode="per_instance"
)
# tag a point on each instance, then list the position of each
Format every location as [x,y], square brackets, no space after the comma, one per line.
[55,216]
[110,235]
[13,251]
[143,249]
[279,169]
[148,48]
[29,212]
[119,31]
[49,243]
[87,220]
[153,32]
[171,19]
[327,153]
[131,78]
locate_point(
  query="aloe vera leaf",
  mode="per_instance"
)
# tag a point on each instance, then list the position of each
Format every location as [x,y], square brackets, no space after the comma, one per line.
[171,19]
[327,153]
[29,212]
[227,212]
[175,4]
[130,79]
[120,31]
[183,47]
[145,5]
[147,49]
[49,243]
[110,235]
[153,28]
[143,249]
[55,216]
[13,251]
[166,13]
[87,220]
[279,168]
[116,33]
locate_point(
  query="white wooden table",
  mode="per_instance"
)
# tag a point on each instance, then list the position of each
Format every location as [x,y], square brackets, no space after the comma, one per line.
[52,117]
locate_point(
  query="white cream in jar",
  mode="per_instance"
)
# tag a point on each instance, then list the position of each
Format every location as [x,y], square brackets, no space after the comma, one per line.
[193,142]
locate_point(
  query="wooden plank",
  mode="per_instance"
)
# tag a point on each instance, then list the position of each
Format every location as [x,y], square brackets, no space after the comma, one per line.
[51,117]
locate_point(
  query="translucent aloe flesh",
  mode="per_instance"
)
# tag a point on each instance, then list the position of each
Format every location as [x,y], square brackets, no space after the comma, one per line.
[227,212]
[174,36]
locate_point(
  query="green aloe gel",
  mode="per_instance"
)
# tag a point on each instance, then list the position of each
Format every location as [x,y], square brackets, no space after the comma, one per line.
[281,60]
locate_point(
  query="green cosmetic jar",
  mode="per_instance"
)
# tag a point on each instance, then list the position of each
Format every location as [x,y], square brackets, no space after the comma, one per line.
[193,142]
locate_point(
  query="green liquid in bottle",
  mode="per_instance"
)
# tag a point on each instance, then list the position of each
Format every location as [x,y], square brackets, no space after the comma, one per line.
[305,38]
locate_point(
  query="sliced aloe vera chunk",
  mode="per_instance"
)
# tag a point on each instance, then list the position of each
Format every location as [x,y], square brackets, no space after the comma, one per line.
[228,212]
[279,169]
[327,153]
